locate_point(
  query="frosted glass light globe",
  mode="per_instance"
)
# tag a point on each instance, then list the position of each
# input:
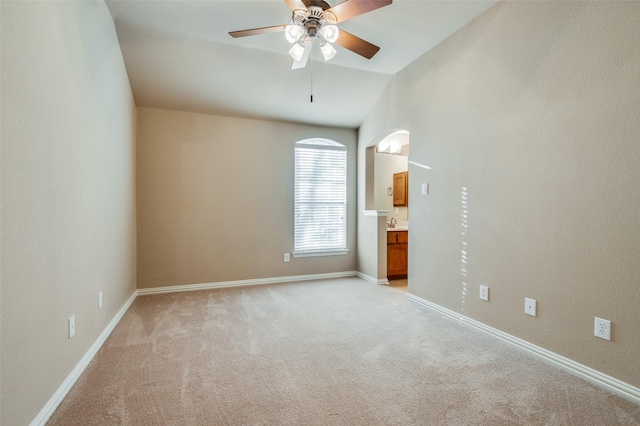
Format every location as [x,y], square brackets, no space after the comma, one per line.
[293,33]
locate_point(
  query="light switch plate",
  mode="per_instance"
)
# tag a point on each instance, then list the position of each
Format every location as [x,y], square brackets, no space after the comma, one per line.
[484,293]
[72,326]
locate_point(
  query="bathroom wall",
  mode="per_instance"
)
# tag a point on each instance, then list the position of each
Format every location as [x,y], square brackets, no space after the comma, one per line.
[385,166]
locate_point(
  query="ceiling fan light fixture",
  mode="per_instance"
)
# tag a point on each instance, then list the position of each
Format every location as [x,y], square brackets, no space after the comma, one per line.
[293,33]
[330,32]
[328,51]
[297,51]
[317,19]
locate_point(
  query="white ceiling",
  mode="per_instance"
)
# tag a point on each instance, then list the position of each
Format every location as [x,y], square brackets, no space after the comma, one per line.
[179,55]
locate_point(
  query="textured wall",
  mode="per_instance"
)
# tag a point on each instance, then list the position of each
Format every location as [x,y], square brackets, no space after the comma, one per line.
[215,199]
[530,121]
[68,200]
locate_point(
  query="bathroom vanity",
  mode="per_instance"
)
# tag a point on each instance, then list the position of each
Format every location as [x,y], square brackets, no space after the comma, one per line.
[397,253]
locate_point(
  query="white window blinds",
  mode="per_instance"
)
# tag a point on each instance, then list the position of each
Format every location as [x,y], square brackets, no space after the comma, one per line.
[320,198]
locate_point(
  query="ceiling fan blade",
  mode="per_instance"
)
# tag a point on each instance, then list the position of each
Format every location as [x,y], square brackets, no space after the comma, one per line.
[257,31]
[305,56]
[295,4]
[351,8]
[356,44]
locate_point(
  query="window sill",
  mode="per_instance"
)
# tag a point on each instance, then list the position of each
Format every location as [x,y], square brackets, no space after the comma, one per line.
[318,253]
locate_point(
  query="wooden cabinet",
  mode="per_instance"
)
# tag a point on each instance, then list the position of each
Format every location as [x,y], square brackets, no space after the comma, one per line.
[397,254]
[400,192]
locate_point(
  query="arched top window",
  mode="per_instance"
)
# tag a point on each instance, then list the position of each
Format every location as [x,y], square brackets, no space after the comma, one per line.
[320,198]
[321,142]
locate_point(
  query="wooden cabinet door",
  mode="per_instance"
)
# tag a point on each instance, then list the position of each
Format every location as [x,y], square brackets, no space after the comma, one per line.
[400,181]
[397,254]
[392,237]
[397,260]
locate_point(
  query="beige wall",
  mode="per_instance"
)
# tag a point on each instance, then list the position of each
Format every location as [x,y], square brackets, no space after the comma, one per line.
[532,110]
[67,193]
[372,246]
[385,166]
[215,199]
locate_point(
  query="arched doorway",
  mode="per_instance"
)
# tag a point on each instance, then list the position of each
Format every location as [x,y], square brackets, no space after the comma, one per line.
[387,164]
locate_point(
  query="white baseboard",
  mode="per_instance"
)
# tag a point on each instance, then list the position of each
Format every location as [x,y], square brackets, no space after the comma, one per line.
[52,404]
[259,281]
[587,373]
[381,281]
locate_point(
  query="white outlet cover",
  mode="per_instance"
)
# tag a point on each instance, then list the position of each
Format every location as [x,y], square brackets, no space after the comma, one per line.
[425,188]
[530,306]
[602,329]
[287,257]
[100,300]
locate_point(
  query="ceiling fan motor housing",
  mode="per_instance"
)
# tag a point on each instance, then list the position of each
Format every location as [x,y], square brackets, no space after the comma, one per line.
[316,13]
[313,19]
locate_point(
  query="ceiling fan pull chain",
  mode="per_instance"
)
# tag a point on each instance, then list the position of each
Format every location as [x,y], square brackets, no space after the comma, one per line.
[311,69]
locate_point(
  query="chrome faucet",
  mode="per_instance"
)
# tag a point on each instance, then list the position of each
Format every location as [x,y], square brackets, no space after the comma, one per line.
[393,222]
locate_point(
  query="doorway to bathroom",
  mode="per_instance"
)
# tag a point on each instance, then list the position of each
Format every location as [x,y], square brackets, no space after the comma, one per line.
[391,184]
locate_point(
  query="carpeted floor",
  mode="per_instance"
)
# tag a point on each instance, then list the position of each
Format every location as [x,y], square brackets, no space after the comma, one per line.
[334,352]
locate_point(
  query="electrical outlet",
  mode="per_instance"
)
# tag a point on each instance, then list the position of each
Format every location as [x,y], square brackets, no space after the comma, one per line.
[484,293]
[72,326]
[100,300]
[287,257]
[425,189]
[530,306]
[602,329]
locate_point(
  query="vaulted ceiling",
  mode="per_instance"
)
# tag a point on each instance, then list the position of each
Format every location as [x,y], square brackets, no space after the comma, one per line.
[179,55]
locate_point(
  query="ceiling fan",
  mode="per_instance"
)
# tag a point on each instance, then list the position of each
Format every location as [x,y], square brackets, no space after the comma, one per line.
[316,19]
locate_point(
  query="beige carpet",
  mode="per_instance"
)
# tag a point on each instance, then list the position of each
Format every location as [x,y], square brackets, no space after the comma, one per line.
[335,352]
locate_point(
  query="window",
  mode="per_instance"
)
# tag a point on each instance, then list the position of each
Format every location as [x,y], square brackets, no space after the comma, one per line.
[320,198]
